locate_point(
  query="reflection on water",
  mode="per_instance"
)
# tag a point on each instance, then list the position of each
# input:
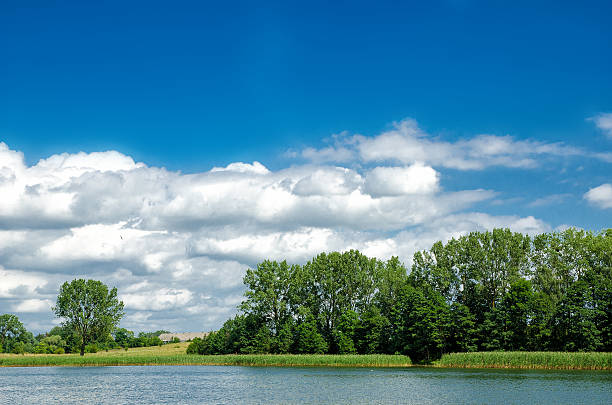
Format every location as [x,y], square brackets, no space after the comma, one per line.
[219,384]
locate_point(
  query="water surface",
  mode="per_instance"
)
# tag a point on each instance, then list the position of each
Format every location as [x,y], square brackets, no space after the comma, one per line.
[258,385]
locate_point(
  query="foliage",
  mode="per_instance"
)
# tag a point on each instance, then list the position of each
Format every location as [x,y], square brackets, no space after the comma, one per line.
[488,291]
[175,355]
[89,309]
[13,332]
[545,360]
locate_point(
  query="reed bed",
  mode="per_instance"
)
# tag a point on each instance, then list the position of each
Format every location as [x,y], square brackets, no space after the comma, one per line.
[315,360]
[162,356]
[536,360]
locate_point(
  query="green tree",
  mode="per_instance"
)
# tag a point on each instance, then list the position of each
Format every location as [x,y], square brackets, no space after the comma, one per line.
[345,333]
[123,337]
[461,329]
[516,307]
[372,332]
[331,284]
[89,309]
[267,297]
[421,319]
[307,337]
[11,332]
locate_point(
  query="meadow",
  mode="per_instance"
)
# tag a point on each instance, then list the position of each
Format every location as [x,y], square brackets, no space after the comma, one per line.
[537,360]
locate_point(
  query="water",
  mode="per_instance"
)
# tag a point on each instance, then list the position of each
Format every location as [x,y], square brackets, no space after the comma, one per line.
[258,385]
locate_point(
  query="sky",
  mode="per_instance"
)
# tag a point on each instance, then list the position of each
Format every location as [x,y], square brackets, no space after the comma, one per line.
[164,148]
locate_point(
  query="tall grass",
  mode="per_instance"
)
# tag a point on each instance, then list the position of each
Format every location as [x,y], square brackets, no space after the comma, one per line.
[91,360]
[329,360]
[541,360]
[175,355]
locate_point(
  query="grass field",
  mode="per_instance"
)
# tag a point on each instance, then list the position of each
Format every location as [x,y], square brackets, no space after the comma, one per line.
[540,360]
[174,354]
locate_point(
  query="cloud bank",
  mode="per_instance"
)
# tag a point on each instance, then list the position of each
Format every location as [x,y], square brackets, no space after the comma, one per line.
[177,245]
[406,143]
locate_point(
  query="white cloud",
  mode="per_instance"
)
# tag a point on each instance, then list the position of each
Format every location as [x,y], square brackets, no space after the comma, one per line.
[603,121]
[406,143]
[157,300]
[327,181]
[33,305]
[177,245]
[239,167]
[338,154]
[600,196]
[17,283]
[295,246]
[549,200]
[390,181]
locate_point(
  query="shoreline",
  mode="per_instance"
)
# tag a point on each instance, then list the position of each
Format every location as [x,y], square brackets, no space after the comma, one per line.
[476,360]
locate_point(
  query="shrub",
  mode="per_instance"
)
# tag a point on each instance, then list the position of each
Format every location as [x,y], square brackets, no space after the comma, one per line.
[196,347]
[59,350]
[91,348]
[41,348]
[19,348]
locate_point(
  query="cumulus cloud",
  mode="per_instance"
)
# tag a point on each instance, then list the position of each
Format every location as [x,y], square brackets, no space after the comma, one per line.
[157,299]
[177,245]
[33,305]
[406,143]
[16,283]
[603,121]
[600,196]
[389,181]
[239,167]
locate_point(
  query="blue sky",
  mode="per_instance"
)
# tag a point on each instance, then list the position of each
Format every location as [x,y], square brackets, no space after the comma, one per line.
[448,116]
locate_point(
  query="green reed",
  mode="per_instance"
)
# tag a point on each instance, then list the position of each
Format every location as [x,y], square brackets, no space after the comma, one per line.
[541,360]
[127,358]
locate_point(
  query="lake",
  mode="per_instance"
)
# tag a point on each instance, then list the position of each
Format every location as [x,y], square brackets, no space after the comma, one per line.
[258,385]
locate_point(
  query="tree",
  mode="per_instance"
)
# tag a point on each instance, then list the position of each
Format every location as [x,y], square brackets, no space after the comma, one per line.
[308,339]
[268,295]
[11,332]
[516,307]
[89,309]
[123,337]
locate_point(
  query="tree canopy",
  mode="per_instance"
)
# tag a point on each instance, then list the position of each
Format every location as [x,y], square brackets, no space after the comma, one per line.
[12,333]
[89,309]
[497,290]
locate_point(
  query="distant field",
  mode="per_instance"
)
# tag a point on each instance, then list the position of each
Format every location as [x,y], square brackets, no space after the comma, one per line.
[540,360]
[174,354]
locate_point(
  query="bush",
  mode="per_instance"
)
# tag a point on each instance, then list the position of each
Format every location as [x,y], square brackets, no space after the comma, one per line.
[196,347]
[155,341]
[91,348]
[18,348]
[59,350]
[41,348]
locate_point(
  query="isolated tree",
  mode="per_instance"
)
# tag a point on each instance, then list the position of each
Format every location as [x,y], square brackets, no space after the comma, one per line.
[89,309]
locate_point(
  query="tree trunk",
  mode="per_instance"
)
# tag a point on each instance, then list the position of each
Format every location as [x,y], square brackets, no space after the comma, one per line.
[82,349]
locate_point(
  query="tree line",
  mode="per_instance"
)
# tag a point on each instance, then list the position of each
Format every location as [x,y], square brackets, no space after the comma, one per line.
[14,338]
[90,313]
[494,290]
